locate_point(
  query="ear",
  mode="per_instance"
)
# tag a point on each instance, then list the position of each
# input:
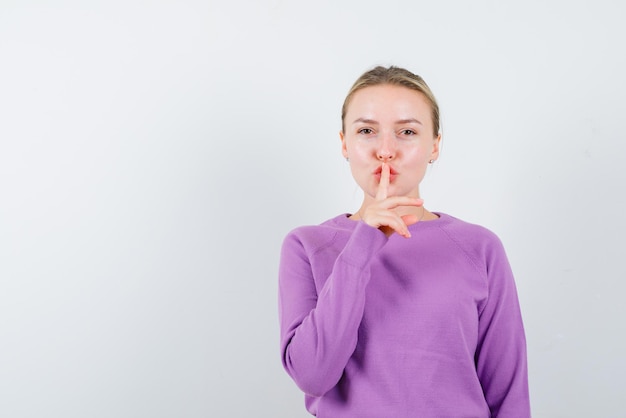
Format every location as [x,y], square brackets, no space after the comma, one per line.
[435,151]
[344,149]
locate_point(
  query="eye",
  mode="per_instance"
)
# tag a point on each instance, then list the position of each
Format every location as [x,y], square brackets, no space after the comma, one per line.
[408,132]
[365,131]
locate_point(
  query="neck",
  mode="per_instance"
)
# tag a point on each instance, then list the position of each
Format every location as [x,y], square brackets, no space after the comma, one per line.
[421,212]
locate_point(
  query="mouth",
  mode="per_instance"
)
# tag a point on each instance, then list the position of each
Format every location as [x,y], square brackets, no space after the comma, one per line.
[392,173]
[379,170]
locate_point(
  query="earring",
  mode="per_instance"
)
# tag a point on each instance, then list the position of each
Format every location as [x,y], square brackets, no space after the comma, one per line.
[347,159]
[431,161]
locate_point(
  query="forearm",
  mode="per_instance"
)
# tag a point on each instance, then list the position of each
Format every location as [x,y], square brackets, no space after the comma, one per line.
[319,331]
[316,350]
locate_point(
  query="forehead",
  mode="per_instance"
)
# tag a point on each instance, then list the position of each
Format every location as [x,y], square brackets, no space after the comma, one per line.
[388,100]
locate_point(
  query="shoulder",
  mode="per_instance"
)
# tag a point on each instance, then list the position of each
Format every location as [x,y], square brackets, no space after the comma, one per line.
[466,231]
[478,242]
[314,237]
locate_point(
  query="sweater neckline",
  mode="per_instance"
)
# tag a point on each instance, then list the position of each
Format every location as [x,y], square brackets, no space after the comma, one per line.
[344,221]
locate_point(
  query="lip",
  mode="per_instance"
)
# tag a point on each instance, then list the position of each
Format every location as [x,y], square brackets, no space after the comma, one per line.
[392,173]
[379,170]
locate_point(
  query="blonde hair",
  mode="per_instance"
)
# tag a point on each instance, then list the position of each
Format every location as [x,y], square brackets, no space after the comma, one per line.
[394,76]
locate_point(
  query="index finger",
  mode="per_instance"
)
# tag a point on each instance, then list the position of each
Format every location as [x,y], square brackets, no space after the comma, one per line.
[381,193]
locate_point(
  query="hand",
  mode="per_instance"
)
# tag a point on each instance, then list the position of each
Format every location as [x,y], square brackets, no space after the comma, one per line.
[380,213]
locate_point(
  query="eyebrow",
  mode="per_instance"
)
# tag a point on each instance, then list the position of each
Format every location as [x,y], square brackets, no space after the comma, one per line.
[373,122]
[411,120]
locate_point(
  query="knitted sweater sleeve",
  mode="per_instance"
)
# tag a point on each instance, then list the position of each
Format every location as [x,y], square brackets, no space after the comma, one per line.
[319,330]
[501,352]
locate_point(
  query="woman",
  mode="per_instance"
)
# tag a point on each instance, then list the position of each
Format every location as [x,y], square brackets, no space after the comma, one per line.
[396,311]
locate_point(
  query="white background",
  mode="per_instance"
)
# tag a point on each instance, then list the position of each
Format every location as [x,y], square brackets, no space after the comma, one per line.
[153,154]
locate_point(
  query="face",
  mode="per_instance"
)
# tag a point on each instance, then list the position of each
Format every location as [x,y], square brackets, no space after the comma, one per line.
[391,124]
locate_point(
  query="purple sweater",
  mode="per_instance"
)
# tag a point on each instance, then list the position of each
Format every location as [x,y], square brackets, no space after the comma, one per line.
[428,326]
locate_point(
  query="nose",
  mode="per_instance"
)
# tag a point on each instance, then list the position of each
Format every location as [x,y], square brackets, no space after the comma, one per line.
[386,150]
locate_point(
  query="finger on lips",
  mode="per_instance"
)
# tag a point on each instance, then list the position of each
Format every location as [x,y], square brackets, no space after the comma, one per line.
[381,214]
[384,182]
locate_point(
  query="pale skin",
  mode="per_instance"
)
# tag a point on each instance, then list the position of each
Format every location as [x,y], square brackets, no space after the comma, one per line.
[389,140]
